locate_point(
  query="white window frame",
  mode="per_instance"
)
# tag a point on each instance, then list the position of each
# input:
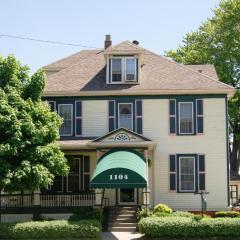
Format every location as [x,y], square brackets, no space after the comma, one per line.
[59,105]
[179,119]
[194,174]
[123,72]
[125,69]
[119,112]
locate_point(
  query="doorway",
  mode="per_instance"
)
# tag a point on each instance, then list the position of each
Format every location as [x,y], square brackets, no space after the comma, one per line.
[127,196]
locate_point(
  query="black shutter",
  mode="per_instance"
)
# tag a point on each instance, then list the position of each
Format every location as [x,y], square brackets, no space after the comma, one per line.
[172,172]
[52,105]
[111,115]
[201,172]
[78,118]
[138,110]
[172,116]
[199,115]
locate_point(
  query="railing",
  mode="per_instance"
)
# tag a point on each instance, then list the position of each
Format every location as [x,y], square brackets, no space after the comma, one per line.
[67,200]
[8,201]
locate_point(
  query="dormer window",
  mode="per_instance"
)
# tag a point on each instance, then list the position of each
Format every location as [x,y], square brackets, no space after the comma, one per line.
[123,70]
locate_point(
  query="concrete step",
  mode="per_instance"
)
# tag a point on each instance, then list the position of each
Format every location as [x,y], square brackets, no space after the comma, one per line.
[122,229]
[128,220]
[121,224]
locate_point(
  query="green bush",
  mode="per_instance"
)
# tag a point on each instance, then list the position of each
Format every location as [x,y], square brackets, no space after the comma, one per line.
[162,214]
[182,227]
[162,208]
[87,213]
[227,214]
[50,229]
[182,214]
[143,213]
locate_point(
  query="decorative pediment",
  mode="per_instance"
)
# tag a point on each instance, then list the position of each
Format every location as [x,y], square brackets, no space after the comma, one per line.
[121,135]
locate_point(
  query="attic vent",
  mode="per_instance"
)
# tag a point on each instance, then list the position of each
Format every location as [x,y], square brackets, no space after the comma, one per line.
[135,42]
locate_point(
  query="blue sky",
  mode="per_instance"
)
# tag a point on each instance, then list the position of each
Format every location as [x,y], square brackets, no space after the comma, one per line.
[157,24]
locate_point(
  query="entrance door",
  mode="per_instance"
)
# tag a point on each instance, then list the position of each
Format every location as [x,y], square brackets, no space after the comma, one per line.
[127,196]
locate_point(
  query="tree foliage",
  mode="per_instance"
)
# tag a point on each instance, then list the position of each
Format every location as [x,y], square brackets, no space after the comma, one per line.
[217,41]
[29,158]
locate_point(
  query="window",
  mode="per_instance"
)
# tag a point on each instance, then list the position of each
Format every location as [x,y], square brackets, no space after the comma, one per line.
[130,69]
[186,174]
[116,70]
[66,112]
[78,178]
[185,117]
[125,116]
[123,69]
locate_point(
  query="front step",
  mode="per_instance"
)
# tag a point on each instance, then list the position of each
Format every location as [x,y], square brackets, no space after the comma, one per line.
[122,219]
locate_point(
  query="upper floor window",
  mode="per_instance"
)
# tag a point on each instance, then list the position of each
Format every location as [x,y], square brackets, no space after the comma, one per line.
[125,116]
[123,70]
[66,112]
[185,117]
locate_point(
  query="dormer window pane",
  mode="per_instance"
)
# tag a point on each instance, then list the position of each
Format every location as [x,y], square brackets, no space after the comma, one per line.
[116,70]
[130,69]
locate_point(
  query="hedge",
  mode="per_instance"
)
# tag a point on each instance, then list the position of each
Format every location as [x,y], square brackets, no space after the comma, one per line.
[181,227]
[227,214]
[50,230]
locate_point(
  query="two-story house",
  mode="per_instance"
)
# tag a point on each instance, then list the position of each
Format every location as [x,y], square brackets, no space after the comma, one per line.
[139,127]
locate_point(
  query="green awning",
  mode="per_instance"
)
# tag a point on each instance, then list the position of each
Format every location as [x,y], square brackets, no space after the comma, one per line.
[120,169]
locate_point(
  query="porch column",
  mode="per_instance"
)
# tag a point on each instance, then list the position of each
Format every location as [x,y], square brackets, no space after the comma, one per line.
[36,204]
[146,191]
[98,197]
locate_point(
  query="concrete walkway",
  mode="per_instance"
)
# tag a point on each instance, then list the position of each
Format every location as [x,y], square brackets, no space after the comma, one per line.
[120,236]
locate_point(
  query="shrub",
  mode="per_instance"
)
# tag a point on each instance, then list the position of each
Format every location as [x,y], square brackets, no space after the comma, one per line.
[162,214]
[162,208]
[53,229]
[182,227]
[182,214]
[87,213]
[143,213]
[227,214]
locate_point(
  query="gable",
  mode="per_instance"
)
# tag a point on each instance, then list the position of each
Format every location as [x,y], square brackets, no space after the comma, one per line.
[121,135]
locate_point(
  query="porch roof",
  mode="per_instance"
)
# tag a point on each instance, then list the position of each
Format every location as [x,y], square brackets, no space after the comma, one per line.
[120,169]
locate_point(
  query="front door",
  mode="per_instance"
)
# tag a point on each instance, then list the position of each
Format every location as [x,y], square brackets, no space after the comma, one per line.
[127,196]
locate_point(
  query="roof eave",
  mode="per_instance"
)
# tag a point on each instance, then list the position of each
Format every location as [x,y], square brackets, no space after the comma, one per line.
[228,91]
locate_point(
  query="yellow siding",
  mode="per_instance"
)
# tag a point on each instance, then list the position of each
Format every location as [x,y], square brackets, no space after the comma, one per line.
[212,143]
[95,118]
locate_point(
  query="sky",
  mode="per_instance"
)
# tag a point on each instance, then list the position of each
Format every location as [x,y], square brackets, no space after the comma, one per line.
[158,25]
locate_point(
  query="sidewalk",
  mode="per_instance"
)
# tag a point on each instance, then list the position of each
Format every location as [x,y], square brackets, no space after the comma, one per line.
[120,236]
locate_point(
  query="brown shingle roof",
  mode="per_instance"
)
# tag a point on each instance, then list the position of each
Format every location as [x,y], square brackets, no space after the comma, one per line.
[86,71]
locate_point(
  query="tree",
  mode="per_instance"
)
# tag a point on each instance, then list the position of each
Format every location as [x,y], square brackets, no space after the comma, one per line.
[29,157]
[217,41]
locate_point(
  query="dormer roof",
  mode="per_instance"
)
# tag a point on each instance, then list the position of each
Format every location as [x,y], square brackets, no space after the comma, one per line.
[125,47]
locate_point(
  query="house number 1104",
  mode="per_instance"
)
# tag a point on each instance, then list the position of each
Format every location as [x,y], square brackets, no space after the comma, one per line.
[118,177]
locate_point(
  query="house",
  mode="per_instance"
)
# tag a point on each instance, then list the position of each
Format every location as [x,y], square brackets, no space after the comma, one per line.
[138,129]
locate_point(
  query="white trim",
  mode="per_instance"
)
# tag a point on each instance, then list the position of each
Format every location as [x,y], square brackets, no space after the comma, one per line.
[131,113]
[127,203]
[59,105]
[179,120]
[116,82]
[78,117]
[194,174]
[125,69]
